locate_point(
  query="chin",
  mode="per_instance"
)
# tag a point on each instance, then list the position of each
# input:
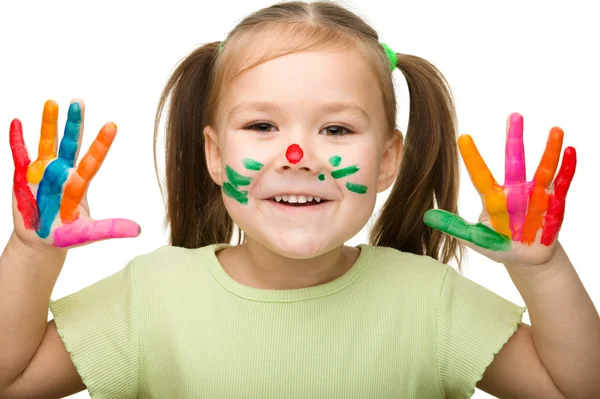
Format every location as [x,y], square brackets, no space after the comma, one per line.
[298,247]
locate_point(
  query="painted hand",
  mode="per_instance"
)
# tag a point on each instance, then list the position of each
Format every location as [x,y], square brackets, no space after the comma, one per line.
[520,220]
[49,202]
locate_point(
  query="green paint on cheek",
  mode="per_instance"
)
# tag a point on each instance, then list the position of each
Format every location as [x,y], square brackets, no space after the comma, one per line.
[321,177]
[252,164]
[336,174]
[479,234]
[239,196]
[335,160]
[357,188]
[235,178]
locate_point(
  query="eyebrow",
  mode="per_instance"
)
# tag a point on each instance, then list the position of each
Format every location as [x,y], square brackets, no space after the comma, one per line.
[331,107]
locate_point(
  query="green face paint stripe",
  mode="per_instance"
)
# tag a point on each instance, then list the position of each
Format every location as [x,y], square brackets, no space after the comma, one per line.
[336,174]
[235,178]
[357,188]
[479,234]
[335,160]
[232,192]
[321,177]
[252,164]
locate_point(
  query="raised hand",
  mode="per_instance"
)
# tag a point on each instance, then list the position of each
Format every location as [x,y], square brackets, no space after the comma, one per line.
[520,220]
[49,201]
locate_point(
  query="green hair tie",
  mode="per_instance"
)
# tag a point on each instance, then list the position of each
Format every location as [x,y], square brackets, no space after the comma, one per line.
[391,54]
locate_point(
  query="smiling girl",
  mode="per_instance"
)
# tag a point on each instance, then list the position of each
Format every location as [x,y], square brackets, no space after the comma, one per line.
[287,130]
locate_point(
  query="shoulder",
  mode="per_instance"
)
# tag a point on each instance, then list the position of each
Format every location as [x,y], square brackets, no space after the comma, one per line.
[408,270]
[172,258]
[407,262]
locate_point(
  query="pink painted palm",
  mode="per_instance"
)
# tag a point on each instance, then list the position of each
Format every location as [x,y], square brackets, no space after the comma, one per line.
[520,220]
[49,195]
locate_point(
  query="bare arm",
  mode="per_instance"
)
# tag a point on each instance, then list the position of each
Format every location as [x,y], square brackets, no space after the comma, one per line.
[27,278]
[50,374]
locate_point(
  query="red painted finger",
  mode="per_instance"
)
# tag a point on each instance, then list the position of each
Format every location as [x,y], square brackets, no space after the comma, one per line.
[556,201]
[26,203]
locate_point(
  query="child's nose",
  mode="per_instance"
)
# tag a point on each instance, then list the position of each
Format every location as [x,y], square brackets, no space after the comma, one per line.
[295,158]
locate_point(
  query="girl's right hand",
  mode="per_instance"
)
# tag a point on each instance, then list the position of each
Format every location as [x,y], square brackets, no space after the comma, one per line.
[50,207]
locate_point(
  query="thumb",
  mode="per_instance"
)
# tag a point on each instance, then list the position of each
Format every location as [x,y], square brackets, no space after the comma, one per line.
[84,231]
[473,235]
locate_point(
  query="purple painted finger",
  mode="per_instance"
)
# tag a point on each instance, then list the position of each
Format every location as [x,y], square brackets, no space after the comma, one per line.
[82,231]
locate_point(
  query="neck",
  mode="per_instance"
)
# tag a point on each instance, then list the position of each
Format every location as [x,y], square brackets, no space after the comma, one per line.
[254,265]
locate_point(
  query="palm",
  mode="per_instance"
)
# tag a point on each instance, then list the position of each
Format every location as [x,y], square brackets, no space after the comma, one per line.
[49,194]
[520,220]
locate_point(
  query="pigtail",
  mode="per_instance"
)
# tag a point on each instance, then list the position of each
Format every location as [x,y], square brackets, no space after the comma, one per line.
[429,174]
[194,208]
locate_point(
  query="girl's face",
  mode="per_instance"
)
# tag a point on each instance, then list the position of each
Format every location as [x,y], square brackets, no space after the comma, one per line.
[312,124]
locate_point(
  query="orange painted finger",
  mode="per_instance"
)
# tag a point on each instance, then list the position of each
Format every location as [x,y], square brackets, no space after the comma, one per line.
[47,145]
[544,175]
[549,162]
[493,196]
[48,133]
[86,170]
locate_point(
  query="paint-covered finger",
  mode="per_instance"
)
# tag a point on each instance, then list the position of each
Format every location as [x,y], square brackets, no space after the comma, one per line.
[25,200]
[514,161]
[87,231]
[478,234]
[69,145]
[515,186]
[538,198]
[556,200]
[49,130]
[47,144]
[18,147]
[86,170]
[494,199]
[480,174]
[549,161]
[566,173]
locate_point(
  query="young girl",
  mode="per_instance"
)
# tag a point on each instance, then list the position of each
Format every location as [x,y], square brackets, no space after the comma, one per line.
[287,130]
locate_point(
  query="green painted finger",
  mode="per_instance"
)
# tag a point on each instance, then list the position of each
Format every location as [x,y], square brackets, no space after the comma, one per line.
[478,234]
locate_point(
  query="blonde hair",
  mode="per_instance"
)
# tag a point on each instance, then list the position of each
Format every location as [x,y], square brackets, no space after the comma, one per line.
[428,176]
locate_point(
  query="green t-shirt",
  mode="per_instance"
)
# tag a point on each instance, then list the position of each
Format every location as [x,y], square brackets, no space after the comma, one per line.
[174,324]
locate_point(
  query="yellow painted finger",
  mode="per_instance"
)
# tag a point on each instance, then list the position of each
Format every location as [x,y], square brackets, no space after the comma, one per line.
[47,145]
[493,196]
[87,168]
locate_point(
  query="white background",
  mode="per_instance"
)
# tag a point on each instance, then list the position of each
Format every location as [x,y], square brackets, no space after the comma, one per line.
[539,59]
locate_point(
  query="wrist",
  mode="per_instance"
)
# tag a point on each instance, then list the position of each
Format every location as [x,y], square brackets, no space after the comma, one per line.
[31,251]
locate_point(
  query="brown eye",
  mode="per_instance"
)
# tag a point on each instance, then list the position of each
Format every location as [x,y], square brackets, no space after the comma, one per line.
[259,127]
[336,131]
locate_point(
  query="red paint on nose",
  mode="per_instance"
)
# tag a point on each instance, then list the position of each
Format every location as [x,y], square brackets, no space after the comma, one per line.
[294,153]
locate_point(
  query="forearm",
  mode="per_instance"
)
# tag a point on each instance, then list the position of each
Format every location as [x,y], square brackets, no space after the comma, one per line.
[565,324]
[27,278]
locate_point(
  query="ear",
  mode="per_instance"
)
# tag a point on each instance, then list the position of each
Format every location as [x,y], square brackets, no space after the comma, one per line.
[390,161]
[213,154]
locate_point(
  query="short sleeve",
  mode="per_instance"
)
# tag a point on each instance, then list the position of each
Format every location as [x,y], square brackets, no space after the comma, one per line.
[473,323]
[99,327]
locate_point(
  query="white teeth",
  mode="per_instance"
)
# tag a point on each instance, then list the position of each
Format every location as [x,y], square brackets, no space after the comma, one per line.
[291,198]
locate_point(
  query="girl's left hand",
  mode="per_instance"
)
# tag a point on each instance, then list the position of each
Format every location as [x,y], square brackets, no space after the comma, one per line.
[520,220]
